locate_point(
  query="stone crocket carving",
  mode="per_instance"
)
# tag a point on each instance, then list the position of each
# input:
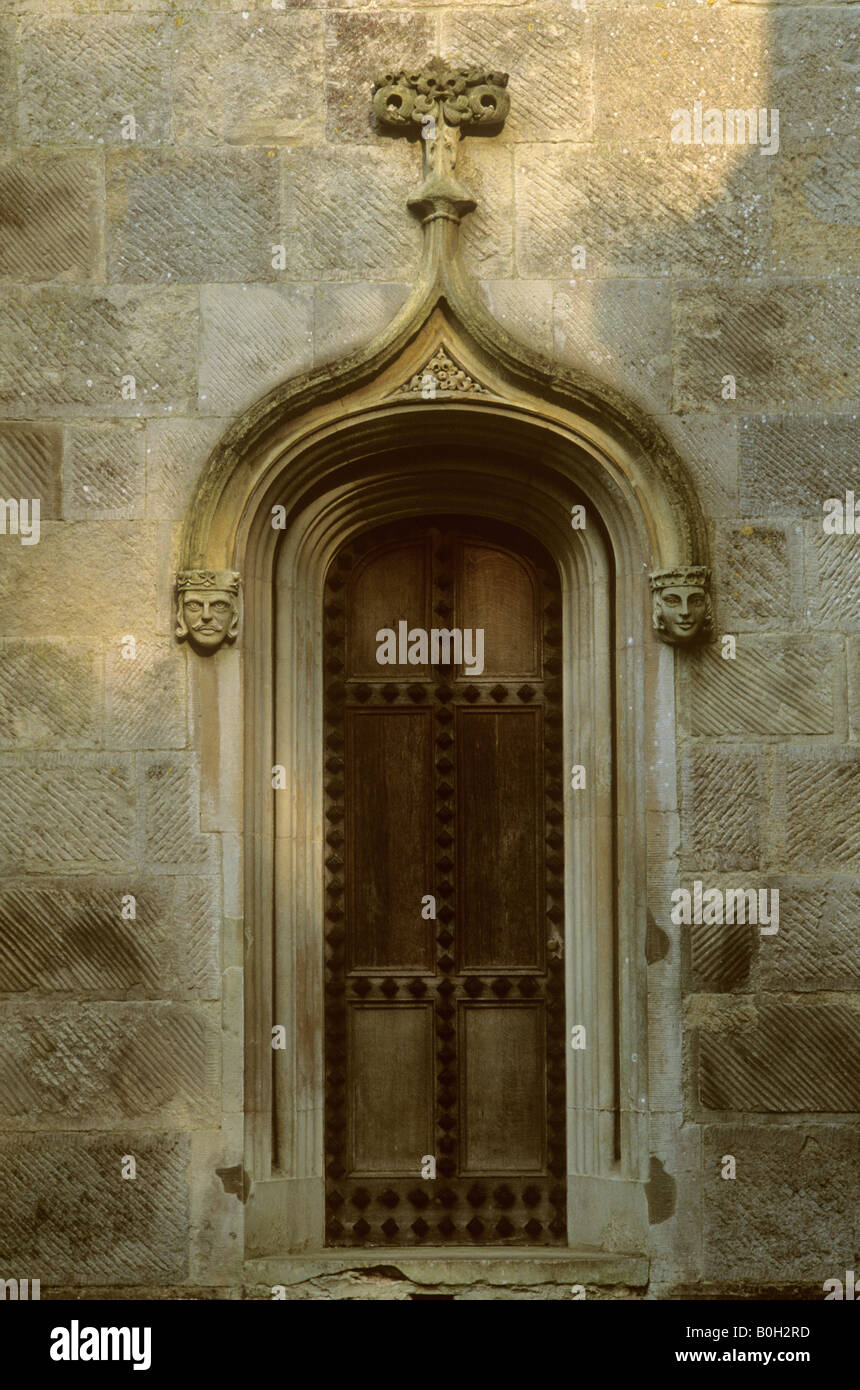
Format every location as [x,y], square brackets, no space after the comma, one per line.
[207,608]
[682,605]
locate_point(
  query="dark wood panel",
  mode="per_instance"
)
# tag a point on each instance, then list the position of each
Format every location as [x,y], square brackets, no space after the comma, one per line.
[497,592]
[503,1088]
[389,808]
[387,588]
[500,832]
[390,1067]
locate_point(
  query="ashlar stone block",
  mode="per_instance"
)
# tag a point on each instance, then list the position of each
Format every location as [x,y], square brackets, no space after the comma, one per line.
[834,576]
[253,337]
[791,1212]
[547,49]
[822,808]
[176,452]
[122,937]
[790,464]
[62,814]
[76,934]
[189,216]
[121,351]
[379,240]
[618,331]
[756,565]
[709,446]
[815,98]
[50,694]
[145,695]
[69,1217]
[102,1066]
[795,1057]
[787,346]
[722,804]
[647,65]
[814,208]
[367,44]
[79,77]
[103,471]
[347,317]
[721,954]
[524,308]
[486,169]
[818,942]
[50,217]
[30,465]
[249,79]
[669,212]
[173,817]
[90,579]
[774,686]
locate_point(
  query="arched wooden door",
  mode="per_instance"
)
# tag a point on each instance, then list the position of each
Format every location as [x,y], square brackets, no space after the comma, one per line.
[444,1036]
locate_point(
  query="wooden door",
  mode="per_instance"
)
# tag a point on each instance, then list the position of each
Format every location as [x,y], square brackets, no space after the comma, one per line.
[444,1038]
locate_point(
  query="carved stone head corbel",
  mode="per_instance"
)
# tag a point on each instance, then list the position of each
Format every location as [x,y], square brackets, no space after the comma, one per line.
[207,608]
[682,605]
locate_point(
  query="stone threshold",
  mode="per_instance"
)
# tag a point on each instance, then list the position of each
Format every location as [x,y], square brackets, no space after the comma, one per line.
[455,1266]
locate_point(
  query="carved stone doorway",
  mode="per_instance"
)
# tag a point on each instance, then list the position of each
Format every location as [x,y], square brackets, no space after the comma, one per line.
[445,405]
[444,922]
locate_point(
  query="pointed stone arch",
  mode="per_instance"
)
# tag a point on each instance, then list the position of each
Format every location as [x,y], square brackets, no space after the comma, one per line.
[505,434]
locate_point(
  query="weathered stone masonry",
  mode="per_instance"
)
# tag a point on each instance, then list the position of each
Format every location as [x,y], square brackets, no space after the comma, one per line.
[156,259]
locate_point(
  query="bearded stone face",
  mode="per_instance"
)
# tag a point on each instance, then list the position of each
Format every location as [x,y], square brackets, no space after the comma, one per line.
[681,612]
[207,617]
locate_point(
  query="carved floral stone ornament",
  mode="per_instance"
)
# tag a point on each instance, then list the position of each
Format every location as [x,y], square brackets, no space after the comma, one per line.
[682,605]
[441,102]
[441,377]
[463,96]
[207,608]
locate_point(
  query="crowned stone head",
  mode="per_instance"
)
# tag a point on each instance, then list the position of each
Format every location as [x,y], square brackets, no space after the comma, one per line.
[207,608]
[682,611]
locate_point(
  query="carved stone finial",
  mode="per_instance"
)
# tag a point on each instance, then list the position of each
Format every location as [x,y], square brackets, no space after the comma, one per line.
[441,102]
[682,613]
[207,608]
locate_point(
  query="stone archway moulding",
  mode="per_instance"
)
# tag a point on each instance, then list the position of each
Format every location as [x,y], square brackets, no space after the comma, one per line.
[503,378]
[443,412]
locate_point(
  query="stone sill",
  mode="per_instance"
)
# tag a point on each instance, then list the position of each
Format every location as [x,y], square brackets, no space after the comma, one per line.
[456,1266]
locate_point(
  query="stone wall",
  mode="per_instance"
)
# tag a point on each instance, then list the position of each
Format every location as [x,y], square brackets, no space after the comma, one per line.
[154,258]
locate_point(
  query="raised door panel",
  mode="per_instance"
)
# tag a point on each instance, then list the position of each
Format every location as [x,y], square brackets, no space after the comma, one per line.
[497,592]
[503,1088]
[499,820]
[386,589]
[389,815]
[390,1068]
